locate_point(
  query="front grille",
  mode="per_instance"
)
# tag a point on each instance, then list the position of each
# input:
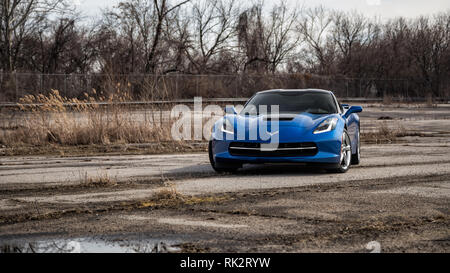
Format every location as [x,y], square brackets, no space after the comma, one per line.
[283,150]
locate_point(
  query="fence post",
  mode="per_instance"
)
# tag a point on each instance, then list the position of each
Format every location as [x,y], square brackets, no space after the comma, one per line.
[1,84]
[176,87]
[17,86]
[88,83]
[407,89]
[347,86]
[65,85]
[41,88]
[237,84]
[360,87]
[196,83]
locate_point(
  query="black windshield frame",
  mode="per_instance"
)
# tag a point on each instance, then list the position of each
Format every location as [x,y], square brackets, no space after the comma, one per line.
[294,102]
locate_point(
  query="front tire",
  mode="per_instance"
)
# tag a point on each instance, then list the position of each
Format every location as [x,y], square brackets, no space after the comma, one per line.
[356,158]
[221,168]
[346,155]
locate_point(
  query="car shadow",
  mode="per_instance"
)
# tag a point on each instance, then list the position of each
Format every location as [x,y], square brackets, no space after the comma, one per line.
[205,170]
[278,169]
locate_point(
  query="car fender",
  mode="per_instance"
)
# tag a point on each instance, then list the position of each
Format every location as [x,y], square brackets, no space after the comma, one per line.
[353,126]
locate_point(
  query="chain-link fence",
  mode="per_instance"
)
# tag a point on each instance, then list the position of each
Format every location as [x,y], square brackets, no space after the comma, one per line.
[181,86]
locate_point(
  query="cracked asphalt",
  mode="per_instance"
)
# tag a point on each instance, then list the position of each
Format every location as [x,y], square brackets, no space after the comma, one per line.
[399,196]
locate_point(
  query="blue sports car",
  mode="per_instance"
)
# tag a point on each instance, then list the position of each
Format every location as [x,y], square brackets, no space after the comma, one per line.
[288,126]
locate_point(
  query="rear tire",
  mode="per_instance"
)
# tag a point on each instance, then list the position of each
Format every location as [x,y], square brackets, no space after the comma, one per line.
[221,168]
[356,158]
[346,155]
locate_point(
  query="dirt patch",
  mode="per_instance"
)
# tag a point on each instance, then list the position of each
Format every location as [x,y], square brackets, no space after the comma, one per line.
[32,209]
[274,220]
[100,149]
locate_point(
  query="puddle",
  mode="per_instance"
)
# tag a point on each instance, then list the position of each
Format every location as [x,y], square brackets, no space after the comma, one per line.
[88,245]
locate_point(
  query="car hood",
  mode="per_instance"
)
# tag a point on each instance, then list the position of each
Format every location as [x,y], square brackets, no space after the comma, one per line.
[303,120]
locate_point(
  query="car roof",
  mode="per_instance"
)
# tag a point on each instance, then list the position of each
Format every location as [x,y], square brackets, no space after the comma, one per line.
[295,90]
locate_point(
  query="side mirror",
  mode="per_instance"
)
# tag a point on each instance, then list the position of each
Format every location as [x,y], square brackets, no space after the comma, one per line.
[352,110]
[345,106]
[230,110]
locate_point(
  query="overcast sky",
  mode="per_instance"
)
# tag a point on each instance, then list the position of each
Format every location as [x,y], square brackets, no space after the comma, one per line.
[383,8]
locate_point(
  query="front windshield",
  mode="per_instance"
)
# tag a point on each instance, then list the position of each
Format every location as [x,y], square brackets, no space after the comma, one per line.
[292,102]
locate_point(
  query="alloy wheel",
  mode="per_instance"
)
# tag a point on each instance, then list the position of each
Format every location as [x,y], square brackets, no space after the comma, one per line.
[346,152]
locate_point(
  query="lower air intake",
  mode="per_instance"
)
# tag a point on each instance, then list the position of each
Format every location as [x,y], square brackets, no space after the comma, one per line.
[283,150]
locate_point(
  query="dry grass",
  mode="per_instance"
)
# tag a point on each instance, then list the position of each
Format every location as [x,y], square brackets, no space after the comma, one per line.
[429,101]
[103,180]
[100,149]
[169,193]
[169,196]
[386,134]
[54,123]
[387,99]
[383,134]
[55,119]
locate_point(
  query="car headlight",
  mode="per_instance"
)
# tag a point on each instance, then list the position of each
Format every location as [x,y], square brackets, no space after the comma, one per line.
[327,125]
[227,127]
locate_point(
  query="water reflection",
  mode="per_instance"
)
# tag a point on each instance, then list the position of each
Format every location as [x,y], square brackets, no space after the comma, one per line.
[85,245]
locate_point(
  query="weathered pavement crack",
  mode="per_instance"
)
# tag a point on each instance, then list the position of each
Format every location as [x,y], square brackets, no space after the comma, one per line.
[226,198]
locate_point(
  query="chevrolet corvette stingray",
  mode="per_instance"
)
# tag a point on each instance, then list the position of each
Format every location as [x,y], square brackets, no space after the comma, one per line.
[288,126]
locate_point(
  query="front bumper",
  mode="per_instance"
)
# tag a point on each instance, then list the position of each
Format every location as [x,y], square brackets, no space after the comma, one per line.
[328,152]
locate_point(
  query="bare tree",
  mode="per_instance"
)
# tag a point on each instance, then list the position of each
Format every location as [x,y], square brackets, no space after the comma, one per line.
[214,26]
[223,36]
[280,39]
[349,34]
[314,26]
[429,44]
[268,41]
[143,22]
[18,18]
[388,52]
[178,39]
[251,37]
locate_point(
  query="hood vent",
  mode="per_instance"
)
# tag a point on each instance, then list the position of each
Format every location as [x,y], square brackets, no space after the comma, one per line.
[279,118]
